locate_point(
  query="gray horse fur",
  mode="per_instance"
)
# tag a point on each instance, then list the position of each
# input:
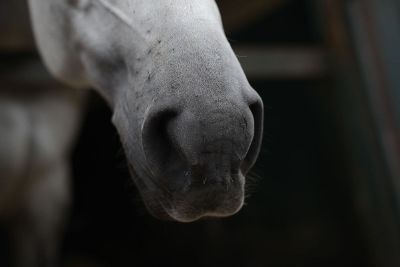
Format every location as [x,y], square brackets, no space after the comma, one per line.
[189,122]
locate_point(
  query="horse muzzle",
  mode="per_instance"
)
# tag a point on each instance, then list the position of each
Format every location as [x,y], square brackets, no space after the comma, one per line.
[199,157]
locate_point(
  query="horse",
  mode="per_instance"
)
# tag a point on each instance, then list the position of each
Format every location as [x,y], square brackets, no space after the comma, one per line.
[189,122]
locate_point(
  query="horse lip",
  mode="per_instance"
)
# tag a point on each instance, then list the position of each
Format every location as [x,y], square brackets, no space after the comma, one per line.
[183,217]
[184,206]
[168,209]
[155,206]
[160,213]
[192,208]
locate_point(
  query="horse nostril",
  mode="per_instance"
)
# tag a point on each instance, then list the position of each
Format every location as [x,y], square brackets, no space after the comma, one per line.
[257,110]
[157,144]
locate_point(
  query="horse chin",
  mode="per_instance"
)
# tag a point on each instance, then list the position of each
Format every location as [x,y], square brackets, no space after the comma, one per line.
[185,205]
[188,217]
[187,211]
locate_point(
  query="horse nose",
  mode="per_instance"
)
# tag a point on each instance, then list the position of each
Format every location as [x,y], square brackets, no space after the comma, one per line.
[209,143]
[256,107]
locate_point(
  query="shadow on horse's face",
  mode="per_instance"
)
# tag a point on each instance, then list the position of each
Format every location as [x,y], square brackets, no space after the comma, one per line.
[190,123]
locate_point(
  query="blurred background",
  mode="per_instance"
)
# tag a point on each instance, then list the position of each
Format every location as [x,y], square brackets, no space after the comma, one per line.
[326,187]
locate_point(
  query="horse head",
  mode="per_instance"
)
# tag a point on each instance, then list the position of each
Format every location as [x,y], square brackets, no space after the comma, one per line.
[189,121]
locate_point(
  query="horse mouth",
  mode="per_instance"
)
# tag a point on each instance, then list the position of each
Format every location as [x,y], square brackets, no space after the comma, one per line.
[186,212]
[195,205]
[167,201]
